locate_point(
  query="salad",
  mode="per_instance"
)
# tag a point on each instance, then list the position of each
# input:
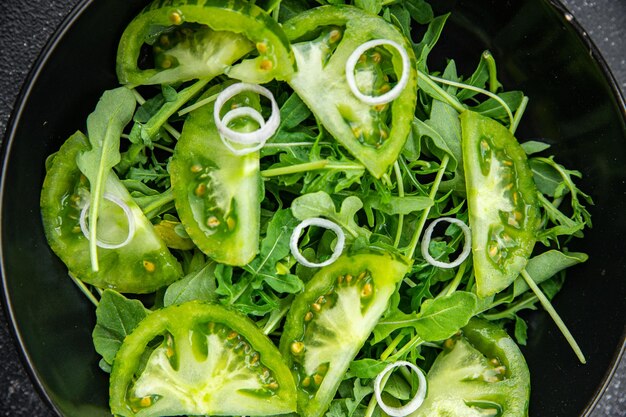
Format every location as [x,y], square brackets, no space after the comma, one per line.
[295,214]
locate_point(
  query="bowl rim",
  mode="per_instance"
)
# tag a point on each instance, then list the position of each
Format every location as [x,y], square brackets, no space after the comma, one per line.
[32,77]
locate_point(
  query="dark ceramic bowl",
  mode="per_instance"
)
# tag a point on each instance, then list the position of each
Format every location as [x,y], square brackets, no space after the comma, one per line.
[574,104]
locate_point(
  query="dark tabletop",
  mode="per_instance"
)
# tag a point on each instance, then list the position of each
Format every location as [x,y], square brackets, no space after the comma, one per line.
[26,25]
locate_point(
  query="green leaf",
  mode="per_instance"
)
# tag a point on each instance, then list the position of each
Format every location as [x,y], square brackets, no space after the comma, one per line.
[423,48]
[399,205]
[521,331]
[420,11]
[544,266]
[116,318]
[366,368]
[293,112]
[198,285]
[320,204]
[437,320]
[104,129]
[274,248]
[533,146]
[492,108]
[370,6]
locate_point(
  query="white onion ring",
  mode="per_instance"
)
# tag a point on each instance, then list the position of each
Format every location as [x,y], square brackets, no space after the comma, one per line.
[326,224]
[415,402]
[467,246]
[129,217]
[250,138]
[239,112]
[389,95]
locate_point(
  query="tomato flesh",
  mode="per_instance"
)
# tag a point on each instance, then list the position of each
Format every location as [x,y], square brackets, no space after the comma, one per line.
[329,322]
[502,202]
[208,360]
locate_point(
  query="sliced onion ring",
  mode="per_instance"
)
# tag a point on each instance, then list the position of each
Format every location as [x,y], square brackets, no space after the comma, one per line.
[389,95]
[249,138]
[467,246]
[239,112]
[326,224]
[415,402]
[129,217]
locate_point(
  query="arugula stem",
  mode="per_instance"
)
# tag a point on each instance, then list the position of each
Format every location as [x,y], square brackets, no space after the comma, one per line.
[412,344]
[294,144]
[294,169]
[410,252]
[555,316]
[198,104]
[166,197]
[83,288]
[457,279]
[518,114]
[493,72]
[151,128]
[396,169]
[478,90]
[391,347]
[164,148]
[452,101]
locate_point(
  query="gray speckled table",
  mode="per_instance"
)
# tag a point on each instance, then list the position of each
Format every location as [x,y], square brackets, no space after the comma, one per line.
[604,21]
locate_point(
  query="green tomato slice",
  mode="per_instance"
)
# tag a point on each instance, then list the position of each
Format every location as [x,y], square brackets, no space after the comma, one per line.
[322,41]
[481,373]
[141,266]
[330,321]
[199,359]
[217,194]
[502,202]
[202,39]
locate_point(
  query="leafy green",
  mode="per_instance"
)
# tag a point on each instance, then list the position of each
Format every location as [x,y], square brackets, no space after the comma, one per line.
[116,318]
[320,204]
[104,129]
[198,285]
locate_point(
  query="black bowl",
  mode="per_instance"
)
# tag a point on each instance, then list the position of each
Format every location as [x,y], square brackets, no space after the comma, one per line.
[575,105]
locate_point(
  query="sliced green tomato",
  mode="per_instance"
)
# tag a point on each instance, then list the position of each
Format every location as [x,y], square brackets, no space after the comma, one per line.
[199,359]
[201,39]
[322,40]
[329,322]
[217,193]
[142,266]
[479,374]
[502,202]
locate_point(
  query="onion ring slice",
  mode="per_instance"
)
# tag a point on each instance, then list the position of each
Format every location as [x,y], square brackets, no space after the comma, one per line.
[326,224]
[467,246]
[415,402]
[129,217]
[389,95]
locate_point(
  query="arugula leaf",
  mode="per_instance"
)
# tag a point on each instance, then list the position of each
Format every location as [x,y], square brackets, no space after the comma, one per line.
[544,266]
[274,248]
[438,319]
[104,128]
[117,317]
[398,205]
[371,6]
[420,11]
[320,204]
[532,146]
[199,285]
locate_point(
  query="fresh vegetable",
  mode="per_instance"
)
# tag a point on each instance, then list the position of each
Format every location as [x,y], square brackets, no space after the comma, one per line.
[198,359]
[190,39]
[323,39]
[502,202]
[293,212]
[328,323]
[217,193]
[143,265]
[481,372]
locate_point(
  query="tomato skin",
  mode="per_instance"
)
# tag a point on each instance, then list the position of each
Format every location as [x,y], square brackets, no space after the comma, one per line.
[481,369]
[502,201]
[217,194]
[342,311]
[323,87]
[142,266]
[185,325]
[243,27]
